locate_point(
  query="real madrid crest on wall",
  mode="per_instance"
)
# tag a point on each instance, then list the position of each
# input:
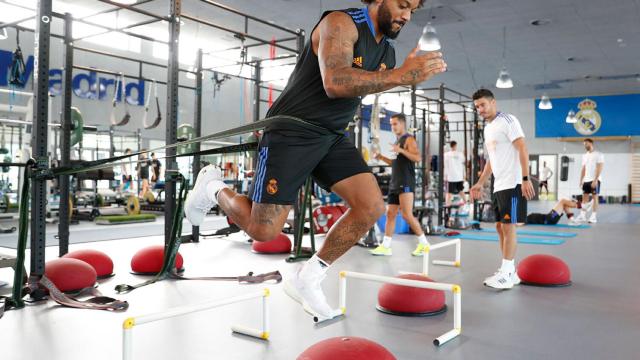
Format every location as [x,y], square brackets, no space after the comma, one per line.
[589,120]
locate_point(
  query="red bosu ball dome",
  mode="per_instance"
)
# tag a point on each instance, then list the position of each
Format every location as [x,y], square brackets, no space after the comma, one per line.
[148,261]
[347,347]
[101,262]
[411,301]
[281,244]
[544,270]
[70,274]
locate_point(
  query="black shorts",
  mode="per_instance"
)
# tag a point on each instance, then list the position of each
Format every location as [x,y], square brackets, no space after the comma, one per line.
[588,189]
[510,206]
[550,218]
[455,187]
[544,183]
[394,195]
[287,157]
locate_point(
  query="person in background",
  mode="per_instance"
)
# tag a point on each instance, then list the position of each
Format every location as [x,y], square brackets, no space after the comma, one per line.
[454,173]
[127,173]
[156,166]
[563,206]
[402,187]
[143,172]
[509,164]
[545,175]
[592,164]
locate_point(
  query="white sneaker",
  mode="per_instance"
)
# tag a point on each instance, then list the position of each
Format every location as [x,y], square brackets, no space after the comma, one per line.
[581,218]
[574,222]
[500,280]
[593,219]
[515,278]
[199,202]
[308,292]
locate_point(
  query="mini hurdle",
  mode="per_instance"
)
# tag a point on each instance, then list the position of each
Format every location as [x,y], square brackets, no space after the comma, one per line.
[425,257]
[128,324]
[453,288]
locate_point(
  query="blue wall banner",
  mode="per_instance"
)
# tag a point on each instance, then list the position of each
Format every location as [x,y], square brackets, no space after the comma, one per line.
[85,85]
[596,116]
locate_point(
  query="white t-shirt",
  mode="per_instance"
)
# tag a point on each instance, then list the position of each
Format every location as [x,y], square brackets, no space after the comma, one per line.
[546,174]
[499,135]
[454,166]
[590,160]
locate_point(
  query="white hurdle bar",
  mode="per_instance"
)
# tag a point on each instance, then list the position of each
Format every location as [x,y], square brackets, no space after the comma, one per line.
[425,257]
[453,288]
[128,324]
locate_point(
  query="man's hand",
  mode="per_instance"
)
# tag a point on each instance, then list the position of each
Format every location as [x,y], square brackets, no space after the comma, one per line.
[395,148]
[527,190]
[594,185]
[421,67]
[376,155]
[476,192]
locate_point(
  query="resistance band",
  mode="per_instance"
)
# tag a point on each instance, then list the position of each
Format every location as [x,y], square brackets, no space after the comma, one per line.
[158,118]
[120,86]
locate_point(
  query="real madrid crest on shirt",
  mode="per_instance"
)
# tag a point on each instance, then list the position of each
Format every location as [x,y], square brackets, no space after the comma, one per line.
[589,120]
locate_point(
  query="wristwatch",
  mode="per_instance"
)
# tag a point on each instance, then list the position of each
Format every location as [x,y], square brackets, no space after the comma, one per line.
[525,178]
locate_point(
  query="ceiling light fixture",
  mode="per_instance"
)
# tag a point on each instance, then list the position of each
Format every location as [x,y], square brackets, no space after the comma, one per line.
[571,117]
[545,102]
[504,79]
[429,40]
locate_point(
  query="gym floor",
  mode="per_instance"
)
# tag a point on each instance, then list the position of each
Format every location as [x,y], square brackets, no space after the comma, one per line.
[595,318]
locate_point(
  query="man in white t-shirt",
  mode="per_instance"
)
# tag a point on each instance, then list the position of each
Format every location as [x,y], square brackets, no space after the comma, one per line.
[592,164]
[454,172]
[509,164]
[546,174]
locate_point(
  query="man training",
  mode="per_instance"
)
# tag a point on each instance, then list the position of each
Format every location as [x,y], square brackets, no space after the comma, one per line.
[592,165]
[401,187]
[454,164]
[509,163]
[563,206]
[545,174]
[348,56]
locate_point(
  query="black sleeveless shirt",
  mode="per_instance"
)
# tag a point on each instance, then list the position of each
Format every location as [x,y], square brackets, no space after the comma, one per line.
[305,97]
[403,170]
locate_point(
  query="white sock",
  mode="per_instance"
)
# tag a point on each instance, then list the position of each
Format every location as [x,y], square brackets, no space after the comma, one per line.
[386,241]
[423,240]
[314,267]
[213,187]
[508,266]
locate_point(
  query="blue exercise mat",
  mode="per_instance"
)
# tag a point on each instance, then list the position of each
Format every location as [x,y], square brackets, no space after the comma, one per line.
[521,239]
[536,233]
[581,226]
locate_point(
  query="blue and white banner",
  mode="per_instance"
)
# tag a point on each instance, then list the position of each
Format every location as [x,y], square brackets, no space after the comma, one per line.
[596,116]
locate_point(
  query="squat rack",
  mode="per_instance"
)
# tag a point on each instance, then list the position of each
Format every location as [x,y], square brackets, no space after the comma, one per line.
[44,15]
[443,96]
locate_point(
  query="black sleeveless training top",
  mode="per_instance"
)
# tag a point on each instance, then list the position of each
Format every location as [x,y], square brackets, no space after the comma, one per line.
[403,170]
[304,96]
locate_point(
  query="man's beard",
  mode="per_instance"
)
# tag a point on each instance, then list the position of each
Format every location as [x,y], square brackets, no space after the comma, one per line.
[385,23]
